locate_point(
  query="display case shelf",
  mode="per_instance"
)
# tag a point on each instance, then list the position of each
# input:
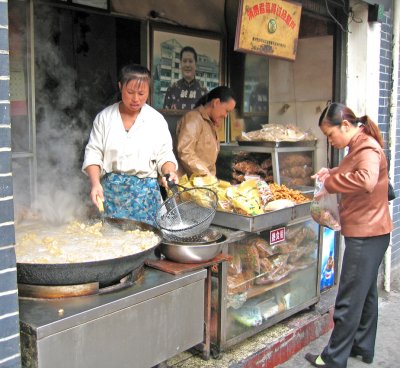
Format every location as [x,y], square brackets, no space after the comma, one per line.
[262,289]
[244,307]
[292,162]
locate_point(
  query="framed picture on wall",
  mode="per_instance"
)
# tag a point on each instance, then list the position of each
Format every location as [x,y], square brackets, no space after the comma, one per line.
[185,64]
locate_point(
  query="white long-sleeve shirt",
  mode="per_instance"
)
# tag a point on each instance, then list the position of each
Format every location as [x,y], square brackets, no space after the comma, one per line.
[141,152]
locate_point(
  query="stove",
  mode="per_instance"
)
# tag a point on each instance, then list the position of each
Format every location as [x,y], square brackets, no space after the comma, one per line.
[66,291]
[156,317]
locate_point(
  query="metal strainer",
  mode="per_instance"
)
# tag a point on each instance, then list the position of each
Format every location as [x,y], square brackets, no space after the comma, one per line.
[187,213]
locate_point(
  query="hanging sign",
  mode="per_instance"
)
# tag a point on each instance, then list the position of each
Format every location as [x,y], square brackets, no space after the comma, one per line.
[268,28]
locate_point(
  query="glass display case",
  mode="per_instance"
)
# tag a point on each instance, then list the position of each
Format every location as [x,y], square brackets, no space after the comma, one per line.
[272,275]
[289,163]
[275,260]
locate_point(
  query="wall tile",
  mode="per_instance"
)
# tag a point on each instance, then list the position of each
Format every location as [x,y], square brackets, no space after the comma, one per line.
[5,113]
[7,257]
[5,137]
[7,235]
[6,185]
[8,304]
[9,326]
[8,281]
[6,210]
[5,162]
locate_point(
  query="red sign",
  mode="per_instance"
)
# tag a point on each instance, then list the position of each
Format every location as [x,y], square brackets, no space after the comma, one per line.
[277,235]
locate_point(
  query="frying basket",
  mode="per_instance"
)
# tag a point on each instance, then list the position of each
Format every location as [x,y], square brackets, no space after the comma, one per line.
[187,213]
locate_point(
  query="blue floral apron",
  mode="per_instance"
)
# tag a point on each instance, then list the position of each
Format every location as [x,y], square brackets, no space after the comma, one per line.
[127,196]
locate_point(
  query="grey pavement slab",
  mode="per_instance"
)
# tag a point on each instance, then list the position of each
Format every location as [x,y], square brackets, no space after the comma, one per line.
[387,348]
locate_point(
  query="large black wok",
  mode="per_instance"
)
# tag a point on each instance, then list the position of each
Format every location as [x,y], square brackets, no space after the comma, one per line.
[106,272]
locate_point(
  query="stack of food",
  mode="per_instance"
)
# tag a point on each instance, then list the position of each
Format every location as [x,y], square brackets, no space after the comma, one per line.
[295,169]
[252,197]
[246,164]
[278,133]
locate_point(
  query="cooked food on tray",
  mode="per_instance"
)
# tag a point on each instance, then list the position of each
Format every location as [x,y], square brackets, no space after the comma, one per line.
[278,133]
[252,197]
[77,242]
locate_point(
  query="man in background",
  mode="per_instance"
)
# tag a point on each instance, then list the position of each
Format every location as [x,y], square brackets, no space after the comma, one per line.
[183,94]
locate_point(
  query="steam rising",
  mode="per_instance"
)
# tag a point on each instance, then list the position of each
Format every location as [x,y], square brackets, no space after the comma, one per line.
[74,78]
[62,129]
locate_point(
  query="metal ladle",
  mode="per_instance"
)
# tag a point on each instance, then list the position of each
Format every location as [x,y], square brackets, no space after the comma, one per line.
[174,189]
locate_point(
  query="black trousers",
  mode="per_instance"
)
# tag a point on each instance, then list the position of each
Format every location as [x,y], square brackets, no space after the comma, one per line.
[356,308]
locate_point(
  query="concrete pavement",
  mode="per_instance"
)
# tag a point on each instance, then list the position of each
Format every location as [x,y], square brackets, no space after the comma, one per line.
[387,348]
[285,344]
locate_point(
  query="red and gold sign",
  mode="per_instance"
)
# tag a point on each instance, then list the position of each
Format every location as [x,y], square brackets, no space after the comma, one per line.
[268,28]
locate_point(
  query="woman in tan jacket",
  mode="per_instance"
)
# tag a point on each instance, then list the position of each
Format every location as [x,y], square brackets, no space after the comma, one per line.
[362,181]
[197,145]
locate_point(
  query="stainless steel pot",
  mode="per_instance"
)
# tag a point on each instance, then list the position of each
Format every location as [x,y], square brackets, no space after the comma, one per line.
[190,253]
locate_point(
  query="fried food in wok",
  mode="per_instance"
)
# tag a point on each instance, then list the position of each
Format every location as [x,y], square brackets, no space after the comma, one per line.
[78,242]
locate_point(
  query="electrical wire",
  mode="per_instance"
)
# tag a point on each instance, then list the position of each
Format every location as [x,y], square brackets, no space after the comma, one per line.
[333,17]
[349,13]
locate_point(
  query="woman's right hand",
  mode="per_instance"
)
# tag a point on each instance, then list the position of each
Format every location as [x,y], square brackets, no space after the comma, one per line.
[321,175]
[96,195]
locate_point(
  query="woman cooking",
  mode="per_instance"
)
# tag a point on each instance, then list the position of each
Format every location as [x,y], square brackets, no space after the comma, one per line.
[129,147]
[197,141]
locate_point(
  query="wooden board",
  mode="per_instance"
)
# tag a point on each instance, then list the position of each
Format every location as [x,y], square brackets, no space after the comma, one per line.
[178,268]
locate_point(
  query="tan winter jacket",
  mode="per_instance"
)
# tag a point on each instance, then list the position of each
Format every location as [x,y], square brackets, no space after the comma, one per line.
[362,180]
[197,145]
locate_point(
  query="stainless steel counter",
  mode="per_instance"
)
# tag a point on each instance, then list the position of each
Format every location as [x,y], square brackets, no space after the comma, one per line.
[156,318]
[261,222]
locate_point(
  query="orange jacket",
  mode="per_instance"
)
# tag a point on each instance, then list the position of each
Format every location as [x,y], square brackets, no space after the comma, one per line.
[197,143]
[362,180]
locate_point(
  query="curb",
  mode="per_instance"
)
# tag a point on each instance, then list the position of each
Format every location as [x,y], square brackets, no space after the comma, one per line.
[303,331]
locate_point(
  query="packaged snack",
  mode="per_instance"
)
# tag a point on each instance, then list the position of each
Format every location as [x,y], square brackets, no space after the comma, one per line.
[245,198]
[250,258]
[263,247]
[265,193]
[235,265]
[248,315]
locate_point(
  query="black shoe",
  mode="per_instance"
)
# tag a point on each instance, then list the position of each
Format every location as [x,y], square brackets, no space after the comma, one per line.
[312,358]
[365,359]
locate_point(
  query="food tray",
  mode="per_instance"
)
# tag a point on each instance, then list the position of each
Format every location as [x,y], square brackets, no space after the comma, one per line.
[261,222]
[278,144]
[305,189]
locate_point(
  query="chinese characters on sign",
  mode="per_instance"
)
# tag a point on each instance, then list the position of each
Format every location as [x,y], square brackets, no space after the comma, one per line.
[277,235]
[268,28]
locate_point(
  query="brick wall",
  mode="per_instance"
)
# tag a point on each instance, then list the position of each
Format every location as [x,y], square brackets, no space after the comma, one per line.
[385,86]
[9,318]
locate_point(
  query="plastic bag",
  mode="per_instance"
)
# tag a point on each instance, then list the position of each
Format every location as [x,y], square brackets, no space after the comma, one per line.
[325,210]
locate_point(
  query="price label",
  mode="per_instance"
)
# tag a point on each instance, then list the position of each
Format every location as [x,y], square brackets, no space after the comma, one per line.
[277,235]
